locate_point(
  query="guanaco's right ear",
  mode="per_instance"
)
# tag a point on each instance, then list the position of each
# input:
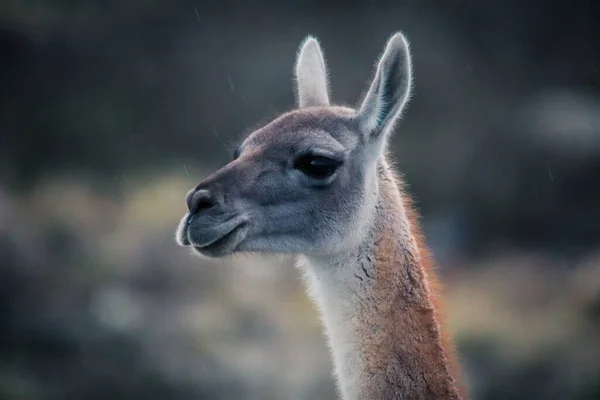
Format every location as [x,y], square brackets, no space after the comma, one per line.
[311,75]
[389,91]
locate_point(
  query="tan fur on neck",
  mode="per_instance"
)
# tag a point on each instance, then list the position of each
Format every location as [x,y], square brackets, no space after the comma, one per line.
[405,353]
[436,290]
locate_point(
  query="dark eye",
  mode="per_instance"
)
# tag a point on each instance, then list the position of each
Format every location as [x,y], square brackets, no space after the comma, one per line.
[317,167]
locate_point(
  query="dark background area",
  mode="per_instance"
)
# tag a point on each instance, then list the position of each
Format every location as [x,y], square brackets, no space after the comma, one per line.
[110,111]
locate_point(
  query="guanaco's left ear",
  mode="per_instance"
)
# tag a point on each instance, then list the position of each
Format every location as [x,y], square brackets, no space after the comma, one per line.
[390,90]
[311,75]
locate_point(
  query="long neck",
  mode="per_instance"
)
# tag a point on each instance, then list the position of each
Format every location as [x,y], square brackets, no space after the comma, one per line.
[379,310]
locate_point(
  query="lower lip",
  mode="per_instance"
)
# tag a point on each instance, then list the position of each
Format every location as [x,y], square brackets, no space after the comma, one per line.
[224,238]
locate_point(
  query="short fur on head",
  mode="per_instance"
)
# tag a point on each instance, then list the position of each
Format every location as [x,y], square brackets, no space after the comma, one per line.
[312,215]
[316,182]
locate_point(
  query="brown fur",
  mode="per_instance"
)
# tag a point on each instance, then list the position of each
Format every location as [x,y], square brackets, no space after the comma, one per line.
[406,354]
[436,291]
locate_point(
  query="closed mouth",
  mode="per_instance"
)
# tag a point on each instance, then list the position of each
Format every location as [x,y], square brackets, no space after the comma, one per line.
[224,237]
[221,242]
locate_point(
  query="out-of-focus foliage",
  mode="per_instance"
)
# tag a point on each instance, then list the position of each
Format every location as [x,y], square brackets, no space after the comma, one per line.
[111,110]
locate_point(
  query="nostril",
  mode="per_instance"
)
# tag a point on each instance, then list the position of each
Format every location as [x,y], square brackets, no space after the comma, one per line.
[203,205]
[198,201]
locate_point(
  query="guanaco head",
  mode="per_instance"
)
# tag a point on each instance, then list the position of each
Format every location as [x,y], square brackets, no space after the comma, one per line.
[306,182]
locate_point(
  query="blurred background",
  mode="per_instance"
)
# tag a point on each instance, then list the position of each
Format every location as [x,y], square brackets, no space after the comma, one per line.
[111,110]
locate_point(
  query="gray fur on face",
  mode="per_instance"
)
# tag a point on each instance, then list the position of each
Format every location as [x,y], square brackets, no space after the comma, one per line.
[262,202]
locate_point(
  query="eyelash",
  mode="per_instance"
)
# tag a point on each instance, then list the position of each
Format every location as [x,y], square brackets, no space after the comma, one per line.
[316,167]
[312,165]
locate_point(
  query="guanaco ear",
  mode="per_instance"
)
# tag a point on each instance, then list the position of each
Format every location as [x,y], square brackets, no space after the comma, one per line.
[389,91]
[311,75]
